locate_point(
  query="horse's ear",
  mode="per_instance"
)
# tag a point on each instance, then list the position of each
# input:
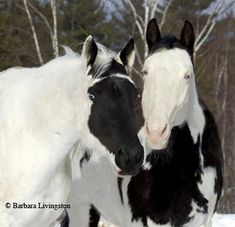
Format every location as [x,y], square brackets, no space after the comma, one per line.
[187,37]
[127,54]
[153,34]
[89,51]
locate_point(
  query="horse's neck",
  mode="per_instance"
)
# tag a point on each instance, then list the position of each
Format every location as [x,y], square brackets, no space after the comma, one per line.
[46,101]
[65,94]
[195,118]
[69,105]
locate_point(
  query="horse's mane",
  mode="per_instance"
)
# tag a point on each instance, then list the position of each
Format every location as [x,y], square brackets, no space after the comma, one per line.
[103,61]
[62,65]
[65,73]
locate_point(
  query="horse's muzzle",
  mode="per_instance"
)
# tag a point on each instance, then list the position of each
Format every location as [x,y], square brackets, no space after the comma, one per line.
[130,159]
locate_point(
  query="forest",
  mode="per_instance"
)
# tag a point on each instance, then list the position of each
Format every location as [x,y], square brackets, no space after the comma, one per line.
[34,31]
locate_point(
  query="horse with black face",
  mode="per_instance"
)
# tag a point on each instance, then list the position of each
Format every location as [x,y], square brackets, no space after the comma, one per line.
[45,112]
[181,182]
[115,118]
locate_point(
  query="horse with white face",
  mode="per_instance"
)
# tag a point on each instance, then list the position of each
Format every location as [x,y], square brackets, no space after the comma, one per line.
[46,111]
[169,78]
[181,182]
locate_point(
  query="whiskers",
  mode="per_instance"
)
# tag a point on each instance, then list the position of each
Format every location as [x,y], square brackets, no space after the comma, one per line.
[164,156]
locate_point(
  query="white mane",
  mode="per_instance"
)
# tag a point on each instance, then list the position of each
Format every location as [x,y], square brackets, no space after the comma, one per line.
[104,53]
[102,61]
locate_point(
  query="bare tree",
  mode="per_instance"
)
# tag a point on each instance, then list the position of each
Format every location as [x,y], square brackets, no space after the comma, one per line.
[150,7]
[55,35]
[219,9]
[35,37]
[53,32]
[221,91]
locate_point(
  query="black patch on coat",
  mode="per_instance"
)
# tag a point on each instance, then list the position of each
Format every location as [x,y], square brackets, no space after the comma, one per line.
[65,222]
[119,181]
[165,192]
[212,150]
[94,217]
[115,121]
[113,112]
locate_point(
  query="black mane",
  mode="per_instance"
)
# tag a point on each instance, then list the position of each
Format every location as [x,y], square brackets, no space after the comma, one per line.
[169,42]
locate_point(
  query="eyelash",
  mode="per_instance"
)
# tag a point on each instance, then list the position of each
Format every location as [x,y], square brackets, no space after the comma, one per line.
[91,97]
[144,72]
[187,76]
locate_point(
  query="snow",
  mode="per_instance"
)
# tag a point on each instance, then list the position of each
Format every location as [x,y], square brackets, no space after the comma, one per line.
[219,220]
[223,220]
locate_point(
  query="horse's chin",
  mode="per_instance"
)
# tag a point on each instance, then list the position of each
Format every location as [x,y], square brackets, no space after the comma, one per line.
[119,173]
[125,174]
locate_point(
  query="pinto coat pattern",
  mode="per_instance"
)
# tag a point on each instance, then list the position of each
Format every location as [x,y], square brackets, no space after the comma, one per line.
[46,112]
[181,182]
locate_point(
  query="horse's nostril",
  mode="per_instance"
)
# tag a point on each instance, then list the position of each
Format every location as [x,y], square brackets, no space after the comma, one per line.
[121,151]
[147,129]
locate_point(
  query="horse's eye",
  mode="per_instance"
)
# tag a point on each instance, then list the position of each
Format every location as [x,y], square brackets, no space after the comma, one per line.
[187,76]
[144,72]
[91,96]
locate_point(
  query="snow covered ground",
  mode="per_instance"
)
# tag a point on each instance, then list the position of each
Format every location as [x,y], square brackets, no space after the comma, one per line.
[219,220]
[223,220]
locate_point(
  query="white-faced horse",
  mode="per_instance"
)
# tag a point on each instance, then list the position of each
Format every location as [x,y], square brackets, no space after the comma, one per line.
[46,111]
[181,182]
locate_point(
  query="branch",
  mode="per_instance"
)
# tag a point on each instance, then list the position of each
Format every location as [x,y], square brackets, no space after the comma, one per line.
[146,14]
[198,45]
[137,72]
[55,35]
[134,12]
[35,38]
[209,19]
[225,94]
[229,6]
[139,58]
[43,18]
[154,8]
[163,20]
[219,79]
[208,27]
[146,19]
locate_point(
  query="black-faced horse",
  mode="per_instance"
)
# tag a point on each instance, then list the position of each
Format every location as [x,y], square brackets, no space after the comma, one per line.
[46,111]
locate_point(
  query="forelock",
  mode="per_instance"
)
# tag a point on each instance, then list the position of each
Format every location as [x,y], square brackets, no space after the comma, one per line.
[168,42]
